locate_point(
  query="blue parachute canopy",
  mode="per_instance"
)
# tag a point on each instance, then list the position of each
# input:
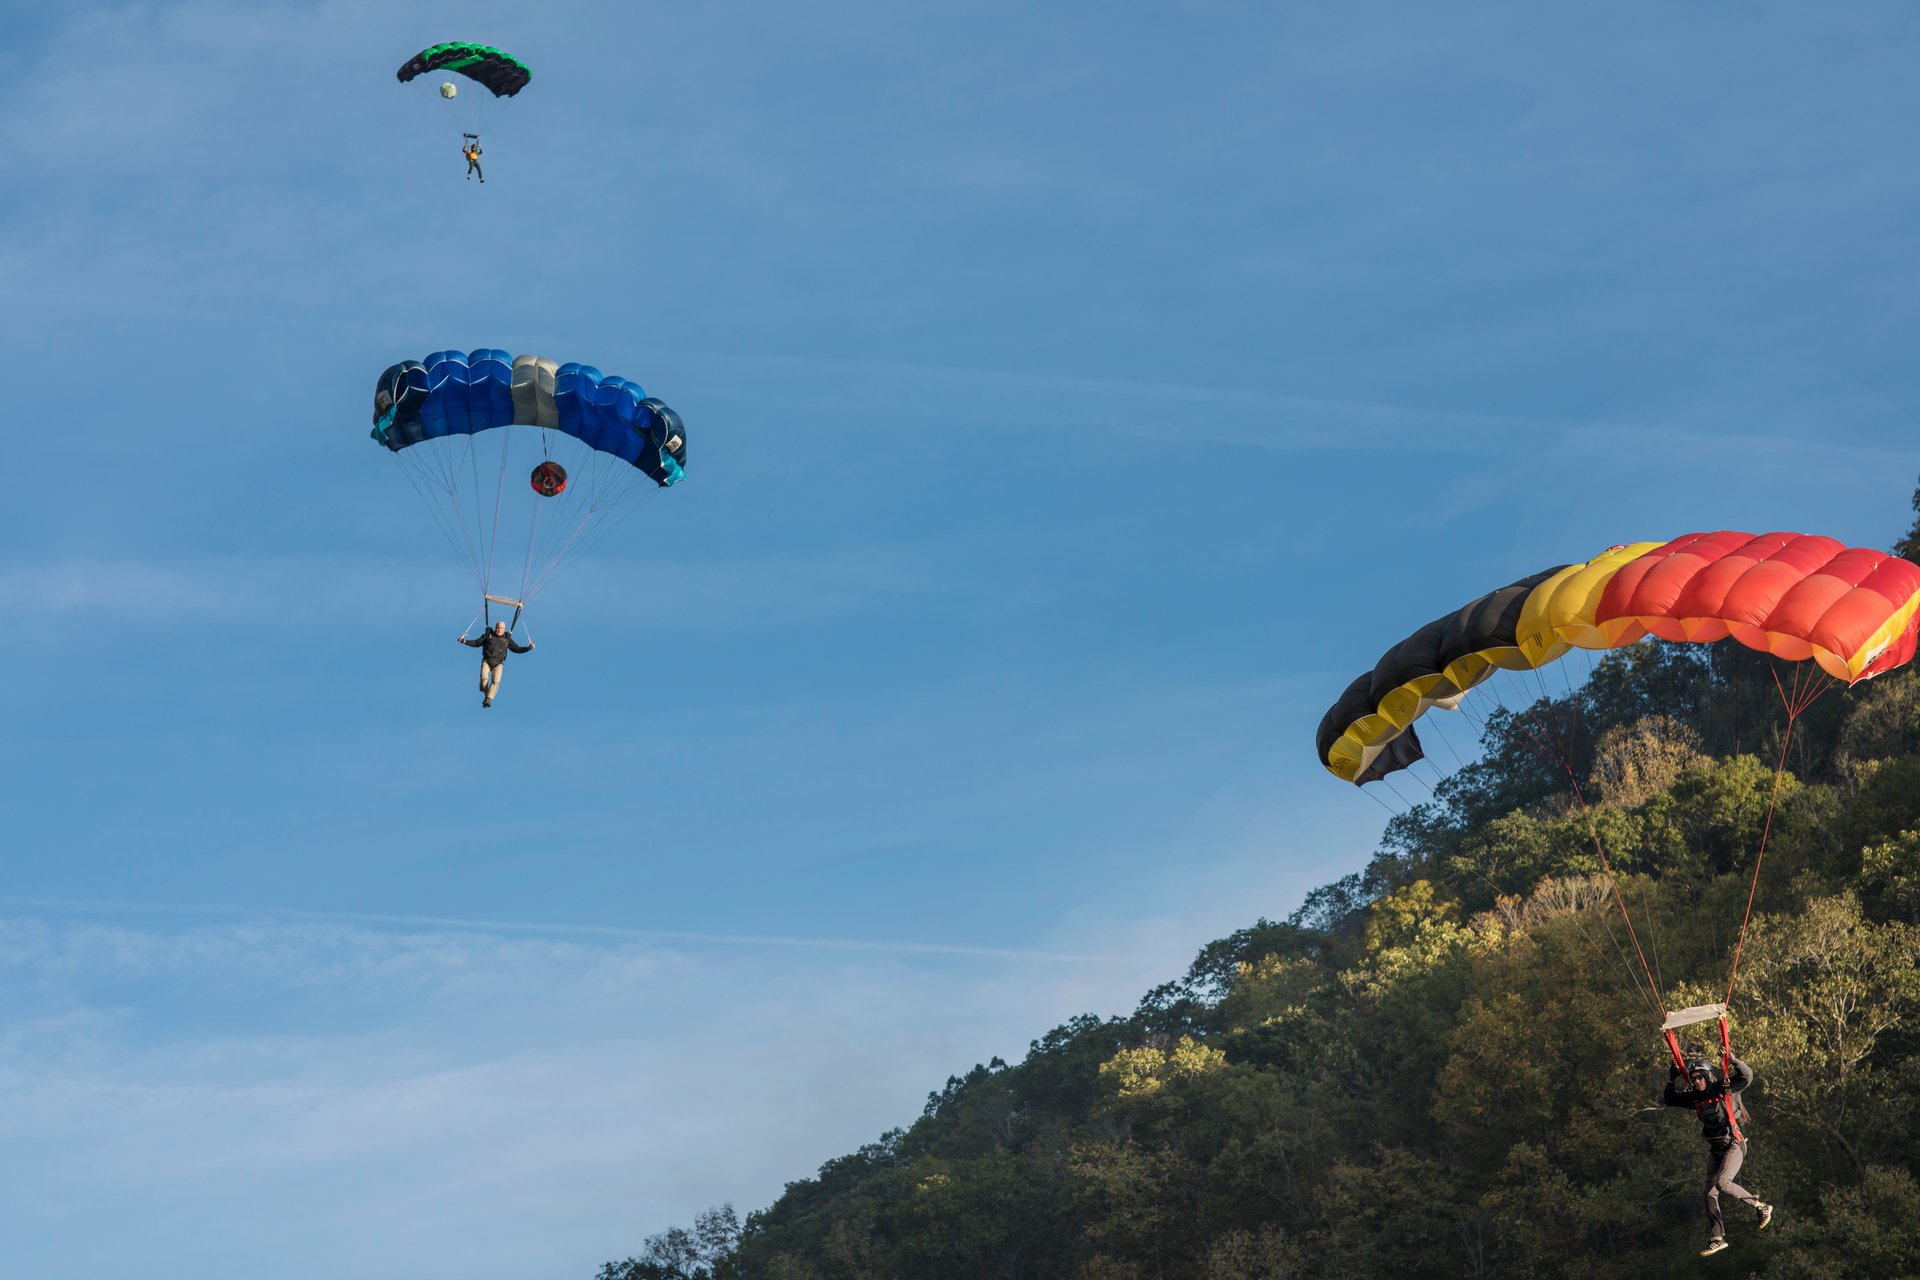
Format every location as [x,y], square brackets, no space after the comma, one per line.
[460,393]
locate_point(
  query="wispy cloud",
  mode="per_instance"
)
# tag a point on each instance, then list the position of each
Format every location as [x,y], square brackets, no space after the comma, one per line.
[103,942]
[281,590]
[459,1095]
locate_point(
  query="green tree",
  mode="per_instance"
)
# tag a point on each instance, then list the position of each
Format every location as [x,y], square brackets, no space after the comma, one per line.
[1870,1229]
[1909,546]
[1827,987]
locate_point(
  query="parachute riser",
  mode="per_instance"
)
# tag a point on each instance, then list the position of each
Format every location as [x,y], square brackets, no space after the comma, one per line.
[1726,1076]
[486,609]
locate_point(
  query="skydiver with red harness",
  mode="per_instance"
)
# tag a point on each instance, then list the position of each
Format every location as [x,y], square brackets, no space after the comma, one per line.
[1714,1095]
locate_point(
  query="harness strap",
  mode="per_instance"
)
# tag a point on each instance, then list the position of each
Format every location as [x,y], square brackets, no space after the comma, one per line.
[1726,1078]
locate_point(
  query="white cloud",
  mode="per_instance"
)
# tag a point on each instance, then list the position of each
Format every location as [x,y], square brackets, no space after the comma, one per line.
[282,591]
[445,1101]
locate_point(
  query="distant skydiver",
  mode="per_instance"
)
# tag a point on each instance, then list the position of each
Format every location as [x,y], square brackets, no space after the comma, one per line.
[1718,1105]
[494,646]
[470,148]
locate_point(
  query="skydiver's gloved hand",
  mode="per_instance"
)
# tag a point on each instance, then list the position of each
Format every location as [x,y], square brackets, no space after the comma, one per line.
[1673,1071]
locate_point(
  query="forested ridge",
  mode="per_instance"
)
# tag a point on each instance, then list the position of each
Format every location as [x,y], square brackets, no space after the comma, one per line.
[1443,1066]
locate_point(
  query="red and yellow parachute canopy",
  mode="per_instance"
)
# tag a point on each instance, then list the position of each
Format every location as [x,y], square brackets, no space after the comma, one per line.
[1796,596]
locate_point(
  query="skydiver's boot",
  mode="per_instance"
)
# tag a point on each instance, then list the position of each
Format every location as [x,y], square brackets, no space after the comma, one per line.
[1765,1211]
[1714,1246]
[487,703]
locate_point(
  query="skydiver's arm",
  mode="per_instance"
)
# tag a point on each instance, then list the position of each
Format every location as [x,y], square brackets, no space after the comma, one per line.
[471,644]
[518,648]
[1676,1096]
[1740,1077]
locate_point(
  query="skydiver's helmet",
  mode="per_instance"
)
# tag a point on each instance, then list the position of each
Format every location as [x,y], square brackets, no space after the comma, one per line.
[1703,1067]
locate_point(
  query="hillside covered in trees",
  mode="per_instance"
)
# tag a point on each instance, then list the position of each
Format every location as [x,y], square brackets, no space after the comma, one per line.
[1442,1066]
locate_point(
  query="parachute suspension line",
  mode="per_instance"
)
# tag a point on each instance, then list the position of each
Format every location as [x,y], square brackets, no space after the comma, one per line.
[1650,915]
[1565,735]
[499,495]
[601,485]
[473,468]
[1620,953]
[1593,830]
[592,475]
[533,538]
[1391,812]
[1546,708]
[471,537]
[469,627]
[1634,984]
[1807,689]
[433,506]
[1561,753]
[1422,781]
[623,501]
[548,566]
[452,515]
[1543,742]
[1565,746]
[1575,704]
[1795,703]
[1446,740]
[546,575]
[568,557]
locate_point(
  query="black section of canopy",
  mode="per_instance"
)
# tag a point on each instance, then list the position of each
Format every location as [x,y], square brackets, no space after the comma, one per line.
[1488,622]
[494,71]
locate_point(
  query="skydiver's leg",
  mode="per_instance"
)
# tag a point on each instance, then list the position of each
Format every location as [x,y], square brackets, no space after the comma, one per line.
[1730,1163]
[484,669]
[493,690]
[1722,1168]
[1716,1225]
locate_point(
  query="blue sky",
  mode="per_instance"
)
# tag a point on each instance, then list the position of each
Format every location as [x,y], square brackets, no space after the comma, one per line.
[1077,398]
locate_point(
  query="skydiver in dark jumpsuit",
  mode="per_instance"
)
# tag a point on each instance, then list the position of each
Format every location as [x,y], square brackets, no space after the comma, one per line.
[494,646]
[1717,1104]
[470,148]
